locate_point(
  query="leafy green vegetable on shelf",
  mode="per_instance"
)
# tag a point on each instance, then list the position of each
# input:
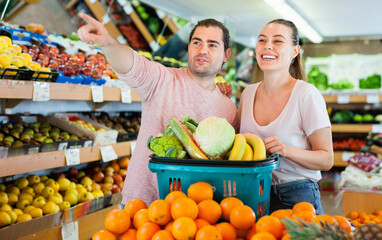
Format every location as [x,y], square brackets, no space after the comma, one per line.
[344,116]
[166,146]
[371,82]
[318,79]
[342,84]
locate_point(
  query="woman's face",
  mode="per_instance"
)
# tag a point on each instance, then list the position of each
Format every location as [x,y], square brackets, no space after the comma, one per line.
[274,48]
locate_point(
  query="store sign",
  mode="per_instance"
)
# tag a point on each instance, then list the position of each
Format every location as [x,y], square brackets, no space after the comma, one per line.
[41,91]
[97,93]
[108,154]
[72,156]
[126,95]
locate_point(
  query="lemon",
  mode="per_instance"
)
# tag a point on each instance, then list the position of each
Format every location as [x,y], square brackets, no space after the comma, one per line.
[17,48]
[18,211]
[36,212]
[5,219]
[24,217]
[5,60]
[12,198]
[6,207]
[13,215]
[28,209]
[17,62]
[3,198]
[5,41]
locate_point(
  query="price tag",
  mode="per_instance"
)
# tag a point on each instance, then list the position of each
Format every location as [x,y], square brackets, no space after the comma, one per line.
[88,143]
[72,156]
[70,231]
[126,95]
[376,128]
[132,146]
[372,98]
[97,93]
[122,2]
[347,155]
[128,9]
[161,14]
[105,19]
[108,154]
[41,91]
[343,99]
[63,146]
[154,45]
[121,40]
[92,1]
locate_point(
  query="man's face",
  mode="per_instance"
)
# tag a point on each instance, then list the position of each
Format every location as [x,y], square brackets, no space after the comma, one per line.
[206,51]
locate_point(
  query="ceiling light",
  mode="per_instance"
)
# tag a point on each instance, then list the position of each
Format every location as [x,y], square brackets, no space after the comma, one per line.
[287,12]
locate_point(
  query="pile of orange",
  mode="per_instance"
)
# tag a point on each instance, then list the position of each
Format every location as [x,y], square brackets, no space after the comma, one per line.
[359,218]
[196,215]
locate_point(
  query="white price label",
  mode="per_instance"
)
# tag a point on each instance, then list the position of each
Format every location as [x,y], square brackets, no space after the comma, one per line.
[92,1]
[41,91]
[347,155]
[343,99]
[63,146]
[72,156]
[105,19]
[372,98]
[154,45]
[132,146]
[161,14]
[122,2]
[376,128]
[108,154]
[70,231]
[88,143]
[97,93]
[128,9]
[121,40]
[126,95]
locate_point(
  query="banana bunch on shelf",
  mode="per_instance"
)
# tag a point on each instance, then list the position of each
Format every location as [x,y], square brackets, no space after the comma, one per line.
[247,147]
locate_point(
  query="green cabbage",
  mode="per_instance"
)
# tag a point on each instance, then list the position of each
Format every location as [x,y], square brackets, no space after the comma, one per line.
[215,136]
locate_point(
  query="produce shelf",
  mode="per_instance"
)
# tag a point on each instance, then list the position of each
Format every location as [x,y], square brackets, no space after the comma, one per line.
[339,158]
[12,89]
[368,202]
[352,128]
[35,162]
[352,98]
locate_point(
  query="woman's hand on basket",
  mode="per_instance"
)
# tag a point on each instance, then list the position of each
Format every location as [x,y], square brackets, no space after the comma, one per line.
[274,145]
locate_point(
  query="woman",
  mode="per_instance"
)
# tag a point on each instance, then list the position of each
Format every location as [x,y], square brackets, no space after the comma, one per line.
[290,116]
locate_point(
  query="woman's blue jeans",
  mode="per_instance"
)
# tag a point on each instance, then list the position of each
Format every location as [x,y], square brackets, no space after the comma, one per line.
[286,195]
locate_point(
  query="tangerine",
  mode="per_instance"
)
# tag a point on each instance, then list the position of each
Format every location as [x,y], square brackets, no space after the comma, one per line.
[117,221]
[174,195]
[133,206]
[168,226]
[163,235]
[242,217]
[209,210]
[209,233]
[140,218]
[159,212]
[306,216]
[282,214]
[200,191]
[227,230]
[184,228]
[130,234]
[184,207]
[251,232]
[147,231]
[103,235]
[353,215]
[326,219]
[303,206]
[263,236]
[201,223]
[227,204]
[343,223]
[271,225]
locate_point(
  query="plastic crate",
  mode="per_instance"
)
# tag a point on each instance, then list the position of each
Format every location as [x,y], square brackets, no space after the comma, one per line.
[250,181]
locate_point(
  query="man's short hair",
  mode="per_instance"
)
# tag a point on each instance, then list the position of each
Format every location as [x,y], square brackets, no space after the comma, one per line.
[214,23]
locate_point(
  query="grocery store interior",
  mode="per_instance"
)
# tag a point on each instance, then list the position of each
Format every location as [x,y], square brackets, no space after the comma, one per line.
[68,125]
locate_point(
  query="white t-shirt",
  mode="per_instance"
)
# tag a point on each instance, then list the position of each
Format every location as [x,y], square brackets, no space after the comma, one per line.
[304,113]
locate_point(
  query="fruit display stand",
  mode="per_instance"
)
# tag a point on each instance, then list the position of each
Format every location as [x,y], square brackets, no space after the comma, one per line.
[86,214]
[368,202]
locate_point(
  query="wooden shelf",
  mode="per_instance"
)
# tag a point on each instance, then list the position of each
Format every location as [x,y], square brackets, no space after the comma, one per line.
[352,98]
[339,156]
[13,89]
[40,161]
[352,128]
[87,226]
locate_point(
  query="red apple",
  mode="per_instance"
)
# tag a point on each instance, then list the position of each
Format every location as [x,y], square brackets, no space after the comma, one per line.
[120,184]
[72,172]
[117,178]
[60,175]
[115,189]
[96,186]
[98,177]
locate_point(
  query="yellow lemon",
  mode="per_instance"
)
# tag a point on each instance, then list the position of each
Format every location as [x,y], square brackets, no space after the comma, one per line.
[5,41]
[5,219]
[28,60]
[13,215]
[18,211]
[5,60]
[36,212]
[24,217]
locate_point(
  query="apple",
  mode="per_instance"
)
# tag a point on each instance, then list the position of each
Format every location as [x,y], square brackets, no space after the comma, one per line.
[60,175]
[120,184]
[123,172]
[107,186]
[98,177]
[109,179]
[117,178]
[96,186]
[115,189]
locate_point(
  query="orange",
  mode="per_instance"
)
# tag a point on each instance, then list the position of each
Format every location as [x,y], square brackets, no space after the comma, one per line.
[103,235]
[184,228]
[117,221]
[115,166]
[242,217]
[353,215]
[168,226]
[343,223]
[251,232]
[306,216]
[303,206]
[133,206]
[378,213]
[271,225]
[286,237]
[147,231]
[201,223]
[241,233]
[263,236]
[130,234]
[227,230]
[163,235]
[227,204]
[184,207]
[326,219]
[209,233]
[140,218]
[200,191]
[124,162]
[282,214]
[159,212]
[174,195]
[209,210]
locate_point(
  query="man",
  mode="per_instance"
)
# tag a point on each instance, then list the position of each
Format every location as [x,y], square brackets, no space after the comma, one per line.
[166,92]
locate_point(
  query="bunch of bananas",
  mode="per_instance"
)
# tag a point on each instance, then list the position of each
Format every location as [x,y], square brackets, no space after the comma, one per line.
[247,147]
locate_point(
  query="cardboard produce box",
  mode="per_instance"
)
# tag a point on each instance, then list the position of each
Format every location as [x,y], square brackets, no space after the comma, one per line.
[81,125]
[19,230]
